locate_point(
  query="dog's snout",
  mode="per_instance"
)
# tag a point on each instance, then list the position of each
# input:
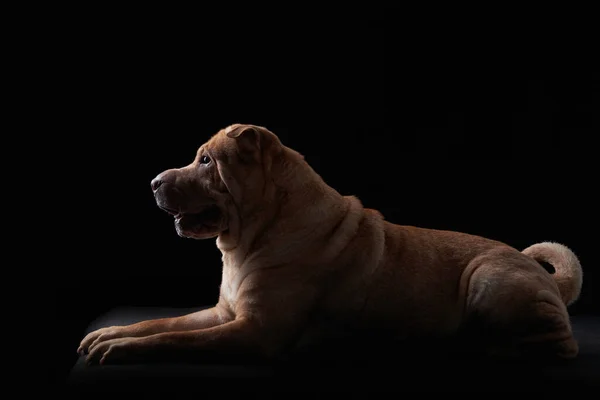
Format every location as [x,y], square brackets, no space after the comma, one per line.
[168,176]
[156,182]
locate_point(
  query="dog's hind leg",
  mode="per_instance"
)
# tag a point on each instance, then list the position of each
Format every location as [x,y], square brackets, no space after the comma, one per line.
[514,308]
[550,333]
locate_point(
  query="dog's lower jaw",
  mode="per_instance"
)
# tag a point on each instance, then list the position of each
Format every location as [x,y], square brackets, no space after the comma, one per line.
[201,225]
[196,233]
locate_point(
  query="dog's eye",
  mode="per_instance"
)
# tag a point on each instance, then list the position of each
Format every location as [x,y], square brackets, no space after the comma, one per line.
[204,160]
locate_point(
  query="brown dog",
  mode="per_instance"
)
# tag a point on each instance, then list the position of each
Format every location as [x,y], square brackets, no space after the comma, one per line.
[302,263]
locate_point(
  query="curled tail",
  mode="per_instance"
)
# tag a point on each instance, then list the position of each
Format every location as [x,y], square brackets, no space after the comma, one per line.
[568,275]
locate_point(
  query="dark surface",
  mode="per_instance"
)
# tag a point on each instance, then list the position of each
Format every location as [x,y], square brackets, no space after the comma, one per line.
[428,373]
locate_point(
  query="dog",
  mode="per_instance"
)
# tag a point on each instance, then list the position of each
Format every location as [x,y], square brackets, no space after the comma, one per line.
[303,265]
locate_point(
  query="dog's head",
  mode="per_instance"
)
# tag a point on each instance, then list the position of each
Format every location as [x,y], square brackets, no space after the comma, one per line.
[228,178]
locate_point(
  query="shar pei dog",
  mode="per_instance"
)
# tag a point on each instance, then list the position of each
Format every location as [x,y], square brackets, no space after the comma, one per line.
[305,267]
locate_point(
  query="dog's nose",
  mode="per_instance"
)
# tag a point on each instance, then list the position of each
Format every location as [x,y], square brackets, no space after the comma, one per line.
[168,176]
[156,182]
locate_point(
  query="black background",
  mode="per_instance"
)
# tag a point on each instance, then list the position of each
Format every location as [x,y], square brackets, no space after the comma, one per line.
[471,122]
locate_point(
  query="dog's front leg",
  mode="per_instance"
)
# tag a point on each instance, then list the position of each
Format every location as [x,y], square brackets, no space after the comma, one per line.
[199,320]
[236,338]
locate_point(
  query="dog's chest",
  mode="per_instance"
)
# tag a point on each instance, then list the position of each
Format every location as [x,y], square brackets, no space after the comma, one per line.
[233,277]
[230,285]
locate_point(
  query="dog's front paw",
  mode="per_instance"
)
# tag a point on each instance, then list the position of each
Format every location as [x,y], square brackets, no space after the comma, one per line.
[101,335]
[113,351]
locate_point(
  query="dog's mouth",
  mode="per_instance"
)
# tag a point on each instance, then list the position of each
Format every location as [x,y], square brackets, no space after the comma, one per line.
[198,224]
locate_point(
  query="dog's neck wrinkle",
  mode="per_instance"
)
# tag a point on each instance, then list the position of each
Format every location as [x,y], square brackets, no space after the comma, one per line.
[302,185]
[295,189]
[255,229]
[253,222]
[328,240]
[316,228]
[246,212]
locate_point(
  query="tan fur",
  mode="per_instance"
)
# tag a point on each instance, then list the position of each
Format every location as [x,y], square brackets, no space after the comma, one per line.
[568,275]
[302,263]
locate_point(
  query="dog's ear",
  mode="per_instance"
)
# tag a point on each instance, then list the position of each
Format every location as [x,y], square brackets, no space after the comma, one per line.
[239,130]
[248,139]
